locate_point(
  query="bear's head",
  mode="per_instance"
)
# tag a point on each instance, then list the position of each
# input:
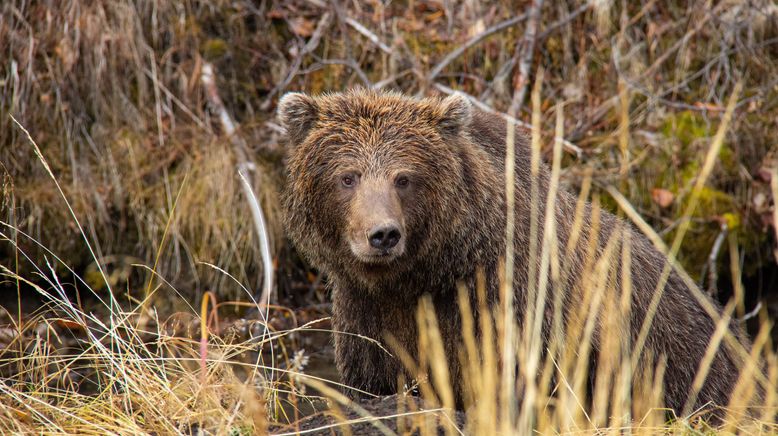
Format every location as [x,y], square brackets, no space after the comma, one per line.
[375,179]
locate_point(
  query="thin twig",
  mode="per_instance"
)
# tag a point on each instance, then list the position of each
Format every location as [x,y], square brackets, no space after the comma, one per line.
[368,34]
[507,67]
[345,62]
[564,21]
[753,313]
[698,26]
[569,146]
[713,276]
[200,123]
[606,105]
[471,42]
[157,98]
[382,83]
[309,47]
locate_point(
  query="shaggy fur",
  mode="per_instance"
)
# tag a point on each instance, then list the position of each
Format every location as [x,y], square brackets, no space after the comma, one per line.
[454,218]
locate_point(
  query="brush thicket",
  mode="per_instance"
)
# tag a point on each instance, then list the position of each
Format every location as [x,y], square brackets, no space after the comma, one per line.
[147,211]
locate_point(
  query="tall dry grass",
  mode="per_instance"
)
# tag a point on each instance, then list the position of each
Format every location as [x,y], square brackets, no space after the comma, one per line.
[111,92]
[139,205]
[553,392]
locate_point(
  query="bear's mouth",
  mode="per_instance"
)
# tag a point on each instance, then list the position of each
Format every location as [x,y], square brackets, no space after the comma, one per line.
[377,260]
[375,268]
[377,264]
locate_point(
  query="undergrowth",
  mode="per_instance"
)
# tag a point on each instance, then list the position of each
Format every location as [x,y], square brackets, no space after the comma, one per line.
[122,209]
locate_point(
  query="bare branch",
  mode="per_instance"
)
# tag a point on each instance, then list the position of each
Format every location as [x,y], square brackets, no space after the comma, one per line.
[713,276]
[368,34]
[527,50]
[244,165]
[309,47]
[564,21]
[471,42]
[569,146]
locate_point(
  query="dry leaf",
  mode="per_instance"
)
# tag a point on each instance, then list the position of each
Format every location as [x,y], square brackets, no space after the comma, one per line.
[662,197]
[764,174]
[67,55]
[69,324]
[301,26]
[709,106]
[476,28]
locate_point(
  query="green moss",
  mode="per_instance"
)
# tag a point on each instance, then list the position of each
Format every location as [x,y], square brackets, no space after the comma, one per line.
[727,158]
[732,220]
[215,48]
[676,168]
[686,126]
[713,202]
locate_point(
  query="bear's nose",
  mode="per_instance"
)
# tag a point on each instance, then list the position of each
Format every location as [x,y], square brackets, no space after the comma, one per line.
[384,237]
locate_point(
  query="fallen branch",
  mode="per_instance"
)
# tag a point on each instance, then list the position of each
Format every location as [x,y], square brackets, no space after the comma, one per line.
[244,165]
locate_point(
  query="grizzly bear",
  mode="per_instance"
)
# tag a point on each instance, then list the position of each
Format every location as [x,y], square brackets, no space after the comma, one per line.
[394,198]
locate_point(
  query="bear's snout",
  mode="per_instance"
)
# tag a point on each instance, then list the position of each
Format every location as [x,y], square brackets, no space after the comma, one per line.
[376,226]
[378,240]
[384,237]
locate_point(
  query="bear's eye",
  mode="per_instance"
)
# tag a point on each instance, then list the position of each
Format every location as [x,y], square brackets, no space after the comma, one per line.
[349,180]
[402,182]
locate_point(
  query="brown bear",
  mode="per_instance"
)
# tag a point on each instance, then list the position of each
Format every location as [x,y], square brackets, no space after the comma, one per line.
[394,197]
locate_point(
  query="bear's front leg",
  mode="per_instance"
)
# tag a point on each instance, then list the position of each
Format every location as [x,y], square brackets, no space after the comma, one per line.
[363,359]
[364,366]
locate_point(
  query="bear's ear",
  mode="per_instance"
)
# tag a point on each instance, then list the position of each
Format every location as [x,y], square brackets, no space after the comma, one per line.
[456,112]
[297,113]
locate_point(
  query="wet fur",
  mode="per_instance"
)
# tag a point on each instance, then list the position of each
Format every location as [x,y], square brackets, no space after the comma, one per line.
[456,224]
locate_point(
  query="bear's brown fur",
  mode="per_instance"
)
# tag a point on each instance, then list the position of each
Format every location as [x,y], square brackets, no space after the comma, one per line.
[432,171]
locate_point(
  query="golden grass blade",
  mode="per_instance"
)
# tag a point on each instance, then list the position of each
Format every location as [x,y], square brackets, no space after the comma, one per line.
[526,415]
[707,359]
[437,357]
[162,241]
[734,266]
[743,394]
[346,402]
[507,393]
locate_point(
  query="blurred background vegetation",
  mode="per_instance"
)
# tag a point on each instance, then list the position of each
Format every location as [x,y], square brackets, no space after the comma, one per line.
[114,93]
